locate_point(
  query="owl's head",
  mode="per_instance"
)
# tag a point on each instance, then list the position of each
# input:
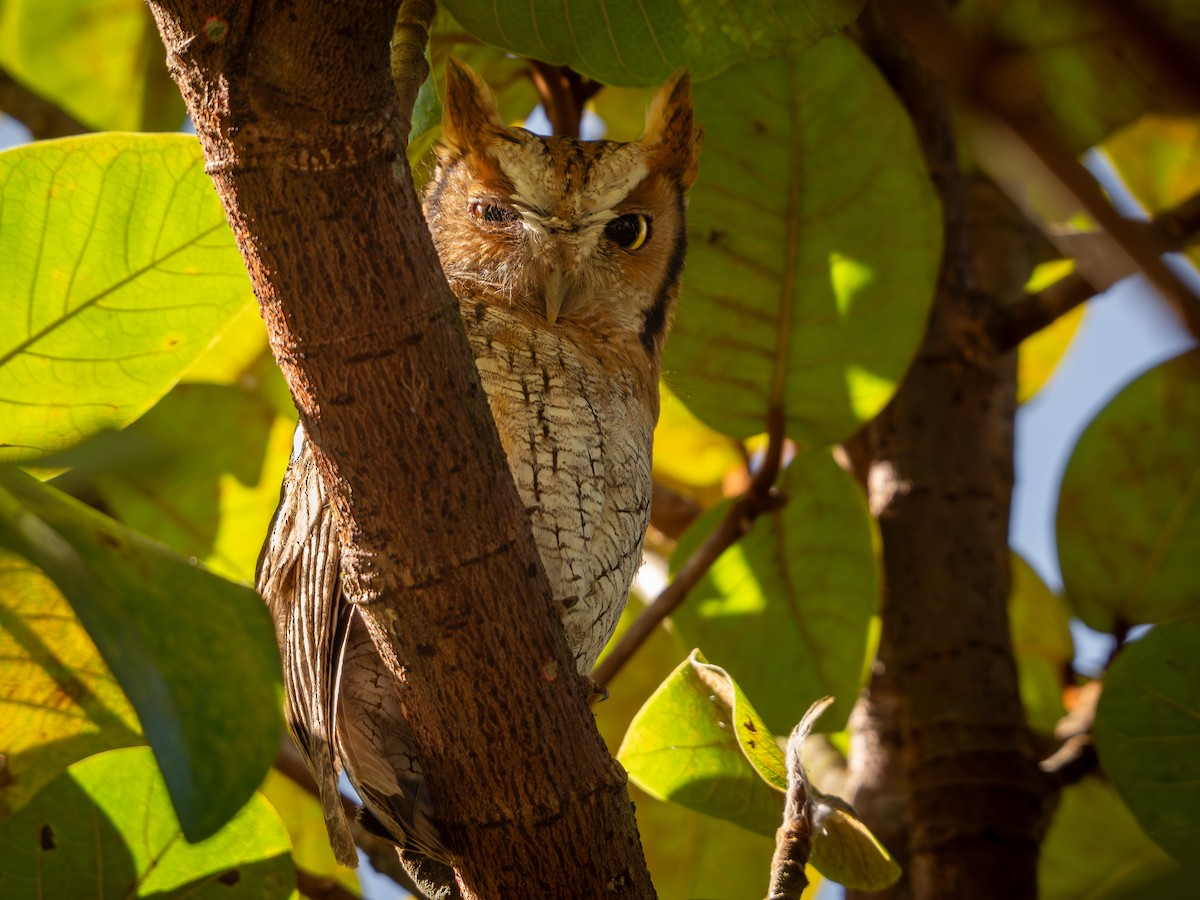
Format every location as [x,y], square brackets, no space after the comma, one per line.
[582,236]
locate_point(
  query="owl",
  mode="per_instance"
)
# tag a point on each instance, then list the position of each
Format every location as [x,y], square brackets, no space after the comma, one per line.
[565,257]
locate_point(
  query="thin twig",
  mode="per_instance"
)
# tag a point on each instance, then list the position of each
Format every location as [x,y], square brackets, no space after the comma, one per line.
[1071,762]
[1013,324]
[410,36]
[321,887]
[759,498]
[1141,27]
[43,118]
[978,73]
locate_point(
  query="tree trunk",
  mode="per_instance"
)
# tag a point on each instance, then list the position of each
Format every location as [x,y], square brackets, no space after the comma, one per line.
[301,128]
[944,713]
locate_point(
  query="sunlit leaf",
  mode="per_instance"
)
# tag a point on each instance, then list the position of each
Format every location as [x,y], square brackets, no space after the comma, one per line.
[1095,77]
[1095,848]
[845,851]
[119,271]
[301,814]
[682,746]
[635,43]
[691,855]
[1042,643]
[195,654]
[237,348]
[1148,734]
[59,703]
[800,291]
[1128,513]
[1158,158]
[105,828]
[688,452]
[1038,356]
[100,60]
[788,607]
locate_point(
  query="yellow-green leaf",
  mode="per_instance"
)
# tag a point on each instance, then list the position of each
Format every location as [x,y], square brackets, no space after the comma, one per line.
[58,701]
[1158,158]
[801,293]
[119,271]
[682,746]
[105,828]
[1041,635]
[789,606]
[195,654]
[100,60]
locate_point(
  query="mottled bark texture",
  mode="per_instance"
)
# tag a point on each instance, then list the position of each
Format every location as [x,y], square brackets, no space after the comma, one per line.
[953,785]
[298,117]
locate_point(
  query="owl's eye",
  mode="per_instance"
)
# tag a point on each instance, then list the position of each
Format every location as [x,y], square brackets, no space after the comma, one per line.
[492,212]
[629,231]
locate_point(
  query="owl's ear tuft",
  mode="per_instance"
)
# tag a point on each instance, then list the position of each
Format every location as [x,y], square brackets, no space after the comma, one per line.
[671,134]
[469,110]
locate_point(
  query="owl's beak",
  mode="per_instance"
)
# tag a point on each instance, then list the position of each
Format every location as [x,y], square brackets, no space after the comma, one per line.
[556,292]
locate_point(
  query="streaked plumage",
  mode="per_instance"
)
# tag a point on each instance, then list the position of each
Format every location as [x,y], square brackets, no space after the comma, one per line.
[565,257]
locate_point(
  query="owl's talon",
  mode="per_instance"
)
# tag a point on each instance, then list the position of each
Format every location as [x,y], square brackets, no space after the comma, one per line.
[599,692]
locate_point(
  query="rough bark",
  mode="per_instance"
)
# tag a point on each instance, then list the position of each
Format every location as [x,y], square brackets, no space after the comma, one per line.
[948,720]
[297,114]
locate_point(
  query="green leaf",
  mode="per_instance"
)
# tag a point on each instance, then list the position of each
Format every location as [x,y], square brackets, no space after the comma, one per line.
[301,813]
[1147,734]
[682,746]
[845,851]
[119,271]
[100,60]
[1095,848]
[1094,76]
[507,76]
[195,654]
[632,43]
[692,855]
[105,828]
[1041,635]
[59,703]
[207,480]
[1128,517]
[789,606]
[801,293]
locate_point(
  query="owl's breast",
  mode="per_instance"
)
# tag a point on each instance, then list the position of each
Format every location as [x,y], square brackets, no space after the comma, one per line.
[578,439]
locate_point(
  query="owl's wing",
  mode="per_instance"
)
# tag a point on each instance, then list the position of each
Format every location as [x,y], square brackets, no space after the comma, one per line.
[342,702]
[376,746]
[298,578]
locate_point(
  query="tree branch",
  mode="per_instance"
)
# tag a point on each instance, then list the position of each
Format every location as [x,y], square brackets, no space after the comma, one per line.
[979,75]
[43,118]
[564,93]
[940,481]
[759,498]
[298,117]
[1014,323]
